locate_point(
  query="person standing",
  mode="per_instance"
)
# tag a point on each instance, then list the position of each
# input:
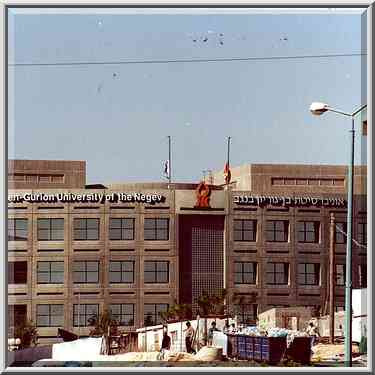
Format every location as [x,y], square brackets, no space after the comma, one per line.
[312,331]
[165,344]
[211,333]
[189,335]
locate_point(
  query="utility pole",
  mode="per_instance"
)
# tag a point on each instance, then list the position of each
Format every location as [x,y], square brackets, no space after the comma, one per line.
[332,281]
[169,159]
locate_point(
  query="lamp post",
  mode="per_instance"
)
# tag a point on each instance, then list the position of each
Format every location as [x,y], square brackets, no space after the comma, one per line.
[318,109]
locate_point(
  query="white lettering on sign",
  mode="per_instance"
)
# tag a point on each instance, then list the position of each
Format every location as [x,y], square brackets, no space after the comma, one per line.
[261,200]
[150,198]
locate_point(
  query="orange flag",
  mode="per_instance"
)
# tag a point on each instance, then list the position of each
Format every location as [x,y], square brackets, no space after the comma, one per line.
[227,174]
[364,128]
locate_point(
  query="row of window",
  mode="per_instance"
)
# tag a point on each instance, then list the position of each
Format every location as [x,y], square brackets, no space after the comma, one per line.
[307,231]
[85,314]
[278,273]
[158,229]
[87,272]
[85,229]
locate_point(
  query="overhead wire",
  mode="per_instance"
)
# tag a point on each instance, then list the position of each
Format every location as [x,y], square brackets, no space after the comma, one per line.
[200,60]
[353,240]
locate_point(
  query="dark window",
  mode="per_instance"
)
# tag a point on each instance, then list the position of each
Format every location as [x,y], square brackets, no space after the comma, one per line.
[17,315]
[247,313]
[50,272]
[308,231]
[340,237]
[86,229]
[362,233]
[86,272]
[152,313]
[121,272]
[123,313]
[245,272]
[308,273]
[156,229]
[277,230]
[17,229]
[121,229]
[277,273]
[340,274]
[362,275]
[244,230]
[17,272]
[50,229]
[85,314]
[50,315]
[156,272]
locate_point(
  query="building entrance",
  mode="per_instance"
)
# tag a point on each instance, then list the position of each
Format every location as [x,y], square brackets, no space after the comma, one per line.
[201,243]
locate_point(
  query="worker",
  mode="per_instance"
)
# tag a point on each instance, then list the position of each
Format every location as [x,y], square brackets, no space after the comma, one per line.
[232,328]
[189,335]
[312,331]
[211,333]
[165,344]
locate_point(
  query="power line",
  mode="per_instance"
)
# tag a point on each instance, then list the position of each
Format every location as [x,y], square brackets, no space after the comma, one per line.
[353,240]
[231,59]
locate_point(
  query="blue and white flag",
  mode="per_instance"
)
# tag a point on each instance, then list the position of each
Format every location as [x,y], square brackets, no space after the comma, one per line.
[166,169]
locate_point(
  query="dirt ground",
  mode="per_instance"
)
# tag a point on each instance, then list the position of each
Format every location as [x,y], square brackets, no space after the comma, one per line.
[324,352]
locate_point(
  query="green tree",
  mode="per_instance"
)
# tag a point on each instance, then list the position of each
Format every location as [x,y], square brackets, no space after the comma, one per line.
[102,324]
[27,332]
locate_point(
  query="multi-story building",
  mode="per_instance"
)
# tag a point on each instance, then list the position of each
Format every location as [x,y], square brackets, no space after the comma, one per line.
[76,249]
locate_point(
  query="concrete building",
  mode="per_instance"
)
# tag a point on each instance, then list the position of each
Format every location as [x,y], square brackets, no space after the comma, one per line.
[75,249]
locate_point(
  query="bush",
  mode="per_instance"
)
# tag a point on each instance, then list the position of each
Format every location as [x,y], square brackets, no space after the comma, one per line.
[27,333]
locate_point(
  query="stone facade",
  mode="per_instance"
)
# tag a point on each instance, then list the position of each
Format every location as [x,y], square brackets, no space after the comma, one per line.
[177,205]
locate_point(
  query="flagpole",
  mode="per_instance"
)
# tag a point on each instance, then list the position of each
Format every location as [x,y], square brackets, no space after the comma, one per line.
[169,159]
[228,150]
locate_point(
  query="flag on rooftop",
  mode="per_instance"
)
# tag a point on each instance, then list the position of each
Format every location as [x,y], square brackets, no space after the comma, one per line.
[166,169]
[364,128]
[227,174]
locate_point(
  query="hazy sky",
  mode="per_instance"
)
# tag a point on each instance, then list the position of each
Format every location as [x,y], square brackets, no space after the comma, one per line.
[117,116]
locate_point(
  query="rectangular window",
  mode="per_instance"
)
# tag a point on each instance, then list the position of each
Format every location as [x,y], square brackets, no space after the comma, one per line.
[362,268]
[17,315]
[50,315]
[308,273]
[156,271]
[156,229]
[277,273]
[85,314]
[340,237]
[362,233]
[121,272]
[50,229]
[340,274]
[17,230]
[121,229]
[123,313]
[17,272]
[245,272]
[244,230]
[50,272]
[277,231]
[308,231]
[152,313]
[86,272]
[246,313]
[86,229]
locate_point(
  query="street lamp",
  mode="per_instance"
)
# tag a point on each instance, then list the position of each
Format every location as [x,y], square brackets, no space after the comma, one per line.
[318,109]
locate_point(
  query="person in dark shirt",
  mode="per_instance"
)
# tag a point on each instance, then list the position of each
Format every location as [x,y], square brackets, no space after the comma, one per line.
[165,344]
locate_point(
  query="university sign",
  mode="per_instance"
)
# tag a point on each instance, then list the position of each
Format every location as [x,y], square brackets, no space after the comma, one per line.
[287,201]
[150,198]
